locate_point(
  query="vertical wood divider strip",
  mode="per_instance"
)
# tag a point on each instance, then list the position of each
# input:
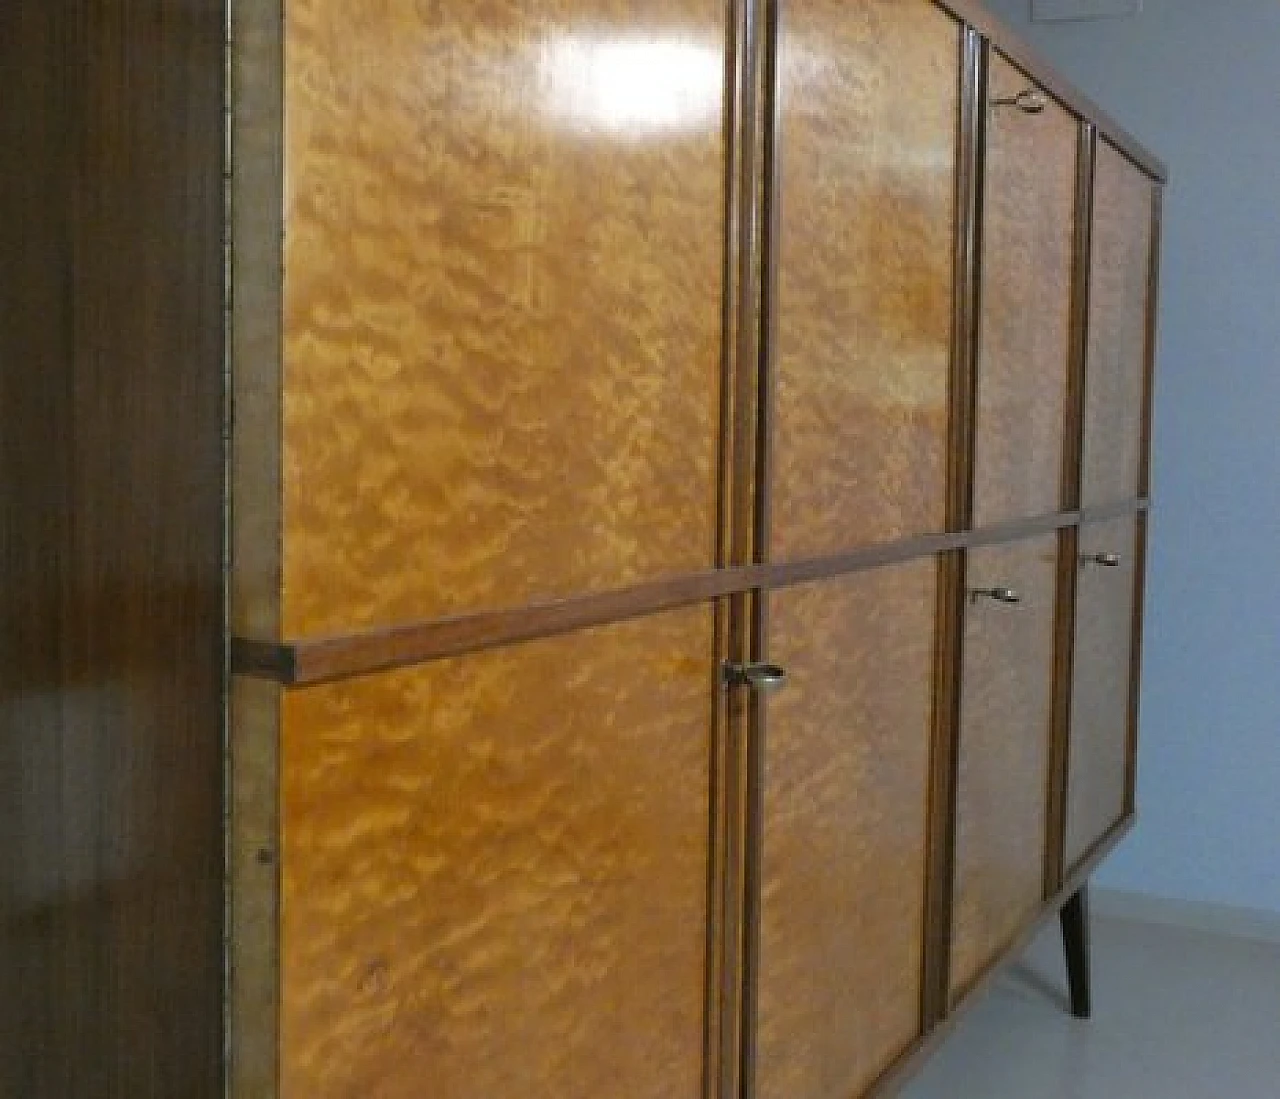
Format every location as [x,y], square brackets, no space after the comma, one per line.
[940,878]
[768,126]
[255,227]
[1153,317]
[1069,545]
[742,487]
[1135,663]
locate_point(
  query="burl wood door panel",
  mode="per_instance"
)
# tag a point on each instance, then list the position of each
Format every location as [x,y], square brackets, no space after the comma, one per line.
[1119,299]
[1025,319]
[845,814]
[1099,772]
[1003,781]
[868,123]
[504,263]
[496,872]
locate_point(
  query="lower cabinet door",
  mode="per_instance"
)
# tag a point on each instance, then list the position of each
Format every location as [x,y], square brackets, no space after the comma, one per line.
[1099,770]
[846,775]
[495,872]
[1004,752]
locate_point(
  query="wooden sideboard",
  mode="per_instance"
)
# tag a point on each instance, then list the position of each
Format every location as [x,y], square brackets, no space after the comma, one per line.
[684,528]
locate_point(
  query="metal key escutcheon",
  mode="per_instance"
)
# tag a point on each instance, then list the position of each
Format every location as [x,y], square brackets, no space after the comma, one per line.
[764,678]
[1000,595]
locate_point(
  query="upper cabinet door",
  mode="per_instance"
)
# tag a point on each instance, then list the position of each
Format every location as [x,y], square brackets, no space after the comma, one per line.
[504,274]
[1119,302]
[866,152]
[1029,213]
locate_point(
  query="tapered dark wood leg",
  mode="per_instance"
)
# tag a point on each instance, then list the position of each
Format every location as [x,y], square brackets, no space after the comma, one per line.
[1075,942]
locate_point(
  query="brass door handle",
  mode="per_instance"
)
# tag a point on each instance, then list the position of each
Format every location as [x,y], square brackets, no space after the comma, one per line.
[1105,560]
[1000,595]
[759,677]
[1028,101]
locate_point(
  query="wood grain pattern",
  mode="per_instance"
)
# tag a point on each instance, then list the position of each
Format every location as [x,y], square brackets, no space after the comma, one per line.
[111,362]
[1097,783]
[1025,322]
[1003,774]
[846,783]
[504,277]
[496,872]
[1117,355]
[868,123]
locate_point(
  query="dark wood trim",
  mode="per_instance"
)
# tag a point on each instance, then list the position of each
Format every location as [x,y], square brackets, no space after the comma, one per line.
[755,606]
[1060,733]
[1074,918]
[1135,666]
[944,753]
[910,1063]
[721,989]
[1118,510]
[770,235]
[966,329]
[1029,59]
[943,790]
[738,504]
[1073,450]
[264,660]
[1153,321]
[318,660]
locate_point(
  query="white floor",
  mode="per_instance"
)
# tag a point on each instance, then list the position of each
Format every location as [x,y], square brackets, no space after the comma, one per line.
[1178,1014]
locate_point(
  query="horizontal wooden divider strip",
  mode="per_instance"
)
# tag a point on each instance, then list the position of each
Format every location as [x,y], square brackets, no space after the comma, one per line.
[1048,77]
[322,660]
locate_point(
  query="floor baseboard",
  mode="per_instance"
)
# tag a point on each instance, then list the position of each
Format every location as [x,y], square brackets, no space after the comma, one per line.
[1214,919]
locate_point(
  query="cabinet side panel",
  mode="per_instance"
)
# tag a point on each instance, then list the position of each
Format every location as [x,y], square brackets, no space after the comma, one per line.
[496,872]
[1120,284]
[1003,774]
[505,256]
[253,987]
[111,547]
[1097,785]
[867,146]
[257,182]
[846,779]
[1025,334]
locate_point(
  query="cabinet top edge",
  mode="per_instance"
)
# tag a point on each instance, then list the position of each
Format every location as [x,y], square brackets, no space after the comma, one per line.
[974,14]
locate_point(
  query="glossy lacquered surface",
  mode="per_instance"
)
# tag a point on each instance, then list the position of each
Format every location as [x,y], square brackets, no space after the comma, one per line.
[110,548]
[1119,293]
[1028,229]
[1099,745]
[1003,770]
[867,121]
[496,872]
[505,245]
[845,820]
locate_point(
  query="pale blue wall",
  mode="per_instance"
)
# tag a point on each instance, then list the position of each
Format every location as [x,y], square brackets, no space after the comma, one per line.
[1199,82]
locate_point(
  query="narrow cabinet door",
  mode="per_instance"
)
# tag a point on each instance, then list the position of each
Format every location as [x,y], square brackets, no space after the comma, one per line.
[1003,780]
[1028,236]
[496,872]
[1100,756]
[1119,303]
[505,251]
[846,775]
[865,219]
